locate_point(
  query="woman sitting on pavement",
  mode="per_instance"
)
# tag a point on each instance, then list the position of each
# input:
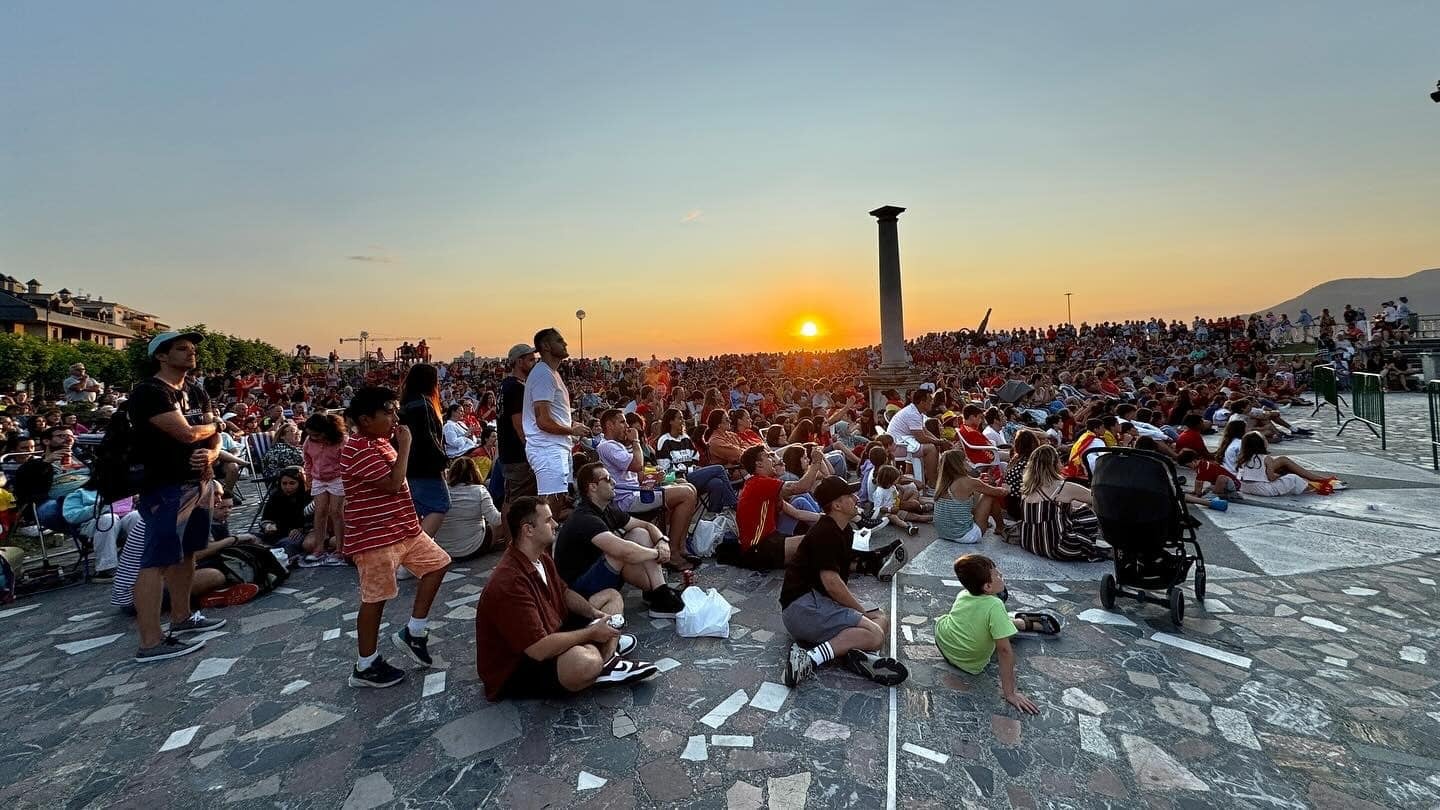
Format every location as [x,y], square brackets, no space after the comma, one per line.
[1265,475]
[675,452]
[472,523]
[964,504]
[1058,522]
[1025,443]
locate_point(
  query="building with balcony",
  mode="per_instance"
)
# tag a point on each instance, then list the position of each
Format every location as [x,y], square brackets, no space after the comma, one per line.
[64,316]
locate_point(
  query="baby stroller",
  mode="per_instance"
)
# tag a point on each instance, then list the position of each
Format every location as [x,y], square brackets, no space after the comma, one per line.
[1143,515]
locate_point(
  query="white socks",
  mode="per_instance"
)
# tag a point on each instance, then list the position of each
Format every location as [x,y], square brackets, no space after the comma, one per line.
[417,627]
[822,653]
[363,662]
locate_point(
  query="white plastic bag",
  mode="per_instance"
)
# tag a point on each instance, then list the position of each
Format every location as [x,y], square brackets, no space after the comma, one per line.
[705,537]
[706,614]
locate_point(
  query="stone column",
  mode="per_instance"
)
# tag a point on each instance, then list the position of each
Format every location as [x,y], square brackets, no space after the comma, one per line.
[892,308]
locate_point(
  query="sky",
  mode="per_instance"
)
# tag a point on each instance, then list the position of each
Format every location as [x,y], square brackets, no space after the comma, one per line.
[697,178]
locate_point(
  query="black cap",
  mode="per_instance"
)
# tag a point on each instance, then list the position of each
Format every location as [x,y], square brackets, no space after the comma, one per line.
[833,487]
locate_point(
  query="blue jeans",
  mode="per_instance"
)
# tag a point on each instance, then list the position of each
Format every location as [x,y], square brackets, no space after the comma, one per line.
[837,463]
[787,525]
[713,483]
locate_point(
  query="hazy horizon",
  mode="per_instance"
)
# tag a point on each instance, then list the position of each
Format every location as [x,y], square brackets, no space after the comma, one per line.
[697,179]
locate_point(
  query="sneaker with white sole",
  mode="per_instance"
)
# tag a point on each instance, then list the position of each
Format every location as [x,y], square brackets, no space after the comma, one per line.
[664,602]
[334,559]
[414,646]
[620,671]
[378,675]
[883,670]
[798,666]
[626,644]
[197,623]
[311,561]
[171,647]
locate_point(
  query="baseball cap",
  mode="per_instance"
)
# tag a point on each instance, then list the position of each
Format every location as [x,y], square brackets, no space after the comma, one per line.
[164,339]
[833,487]
[519,350]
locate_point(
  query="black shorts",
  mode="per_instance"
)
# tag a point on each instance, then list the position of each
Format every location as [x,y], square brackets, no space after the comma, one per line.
[766,555]
[539,679]
[519,480]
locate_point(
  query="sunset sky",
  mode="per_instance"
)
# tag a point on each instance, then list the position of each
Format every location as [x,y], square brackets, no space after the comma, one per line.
[697,177]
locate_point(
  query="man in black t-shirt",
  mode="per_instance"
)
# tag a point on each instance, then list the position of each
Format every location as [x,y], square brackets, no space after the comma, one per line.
[176,439]
[509,433]
[601,546]
[817,606]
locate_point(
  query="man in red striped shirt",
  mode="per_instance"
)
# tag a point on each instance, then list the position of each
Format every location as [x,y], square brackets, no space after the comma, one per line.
[382,533]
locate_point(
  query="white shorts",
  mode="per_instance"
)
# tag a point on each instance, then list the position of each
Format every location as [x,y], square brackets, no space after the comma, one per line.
[335,487]
[553,467]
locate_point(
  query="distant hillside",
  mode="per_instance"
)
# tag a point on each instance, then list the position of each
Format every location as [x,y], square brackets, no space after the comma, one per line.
[1423,289]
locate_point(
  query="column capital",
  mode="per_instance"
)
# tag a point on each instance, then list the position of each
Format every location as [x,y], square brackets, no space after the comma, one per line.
[887,212]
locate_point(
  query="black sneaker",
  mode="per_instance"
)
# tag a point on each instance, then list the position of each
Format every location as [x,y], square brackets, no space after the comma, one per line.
[664,603]
[884,671]
[620,671]
[197,623]
[171,647]
[414,646]
[377,676]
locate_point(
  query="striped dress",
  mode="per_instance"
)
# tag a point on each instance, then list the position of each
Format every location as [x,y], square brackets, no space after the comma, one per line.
[954,518]
[1050,530]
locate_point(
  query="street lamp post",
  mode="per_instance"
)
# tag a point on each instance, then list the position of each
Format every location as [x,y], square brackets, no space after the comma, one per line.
[1068,318]
[580,316]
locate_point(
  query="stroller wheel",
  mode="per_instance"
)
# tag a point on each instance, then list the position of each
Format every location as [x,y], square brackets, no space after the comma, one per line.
[1177,606]
[1200,584]
[1107,591]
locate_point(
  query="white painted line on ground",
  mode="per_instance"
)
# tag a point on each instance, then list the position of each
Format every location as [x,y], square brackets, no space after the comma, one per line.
[890,752]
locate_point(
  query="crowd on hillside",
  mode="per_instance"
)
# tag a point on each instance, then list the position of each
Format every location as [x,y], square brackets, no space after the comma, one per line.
[588,476]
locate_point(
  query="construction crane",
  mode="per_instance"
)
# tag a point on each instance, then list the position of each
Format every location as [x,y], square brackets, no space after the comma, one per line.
[365,339]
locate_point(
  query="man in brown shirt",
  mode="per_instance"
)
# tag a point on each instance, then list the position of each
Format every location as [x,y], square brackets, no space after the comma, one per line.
[536,638]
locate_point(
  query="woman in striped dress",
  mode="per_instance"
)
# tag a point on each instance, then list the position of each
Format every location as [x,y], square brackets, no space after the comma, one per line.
[1058,523]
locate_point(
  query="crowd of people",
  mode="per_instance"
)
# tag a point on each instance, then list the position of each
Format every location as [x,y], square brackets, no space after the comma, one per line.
[586,477]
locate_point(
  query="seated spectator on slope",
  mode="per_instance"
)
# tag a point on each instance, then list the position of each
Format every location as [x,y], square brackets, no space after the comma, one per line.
[896,507]
[622,453]
[1192,438]
[472,524]
[721,442]
[535,637]
[1058,523]
[907,427]
[286,518]
[1209,475]
[1269,476]
[204,581]
[675,452]
[971,433]
[603,547]
[762,500]
[285,452]
[817,607]
[458,439]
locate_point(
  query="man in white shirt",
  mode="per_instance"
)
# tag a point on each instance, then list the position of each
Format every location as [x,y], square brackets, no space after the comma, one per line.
[549,432]
[907,427]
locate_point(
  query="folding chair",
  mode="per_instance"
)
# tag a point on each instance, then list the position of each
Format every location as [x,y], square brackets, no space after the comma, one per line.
[255,448]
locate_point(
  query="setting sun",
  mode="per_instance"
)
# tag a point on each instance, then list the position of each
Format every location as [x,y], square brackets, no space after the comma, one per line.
[809,329]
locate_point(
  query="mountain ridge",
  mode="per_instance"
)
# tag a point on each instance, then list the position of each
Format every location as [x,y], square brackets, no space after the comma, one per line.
[1422,287]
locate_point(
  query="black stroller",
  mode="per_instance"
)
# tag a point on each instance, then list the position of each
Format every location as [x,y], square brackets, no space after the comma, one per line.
[1144,516]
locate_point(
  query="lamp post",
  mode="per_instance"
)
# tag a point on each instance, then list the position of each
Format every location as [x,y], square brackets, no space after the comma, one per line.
[1068,319]
[580,316]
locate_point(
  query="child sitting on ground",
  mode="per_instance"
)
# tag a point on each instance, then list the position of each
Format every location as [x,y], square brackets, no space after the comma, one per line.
[898,507]
[977,626]
[1221,482]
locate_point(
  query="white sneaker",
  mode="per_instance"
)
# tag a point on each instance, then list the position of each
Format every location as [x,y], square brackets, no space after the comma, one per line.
[798,666]
[620,671]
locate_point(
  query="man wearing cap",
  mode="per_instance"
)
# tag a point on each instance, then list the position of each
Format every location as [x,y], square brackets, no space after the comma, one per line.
[176,440]
[817,607]
[513,471]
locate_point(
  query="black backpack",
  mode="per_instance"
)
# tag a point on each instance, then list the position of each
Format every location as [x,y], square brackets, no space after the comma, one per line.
[115,473]
[248,562]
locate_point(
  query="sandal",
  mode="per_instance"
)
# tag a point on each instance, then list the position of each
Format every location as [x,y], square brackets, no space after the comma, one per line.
[1043,621]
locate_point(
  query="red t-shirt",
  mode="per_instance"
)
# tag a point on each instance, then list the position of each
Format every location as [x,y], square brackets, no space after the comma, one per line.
[973,436]
[758,508]
[1209,471]
[373,517]
[1193,440]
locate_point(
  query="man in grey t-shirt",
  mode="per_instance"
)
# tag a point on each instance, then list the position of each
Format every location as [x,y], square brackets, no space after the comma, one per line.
[81,387]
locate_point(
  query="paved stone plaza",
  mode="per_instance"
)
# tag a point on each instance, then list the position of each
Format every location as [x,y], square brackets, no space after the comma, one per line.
[1306,680]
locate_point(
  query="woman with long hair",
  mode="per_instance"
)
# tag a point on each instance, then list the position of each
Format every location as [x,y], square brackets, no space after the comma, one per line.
[1025,443]
[420,412]
[964,504]
[459,441]
[472,524]
[1229,450]
[720,441]
[1058,523]
[1268,476]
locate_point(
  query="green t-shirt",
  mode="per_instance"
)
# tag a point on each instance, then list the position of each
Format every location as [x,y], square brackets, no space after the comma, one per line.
[966,635]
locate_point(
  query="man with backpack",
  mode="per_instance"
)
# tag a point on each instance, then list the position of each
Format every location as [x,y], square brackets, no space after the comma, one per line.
[175,444]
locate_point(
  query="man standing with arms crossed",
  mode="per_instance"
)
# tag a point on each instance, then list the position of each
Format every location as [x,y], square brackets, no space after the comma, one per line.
[177,444]
[549,432]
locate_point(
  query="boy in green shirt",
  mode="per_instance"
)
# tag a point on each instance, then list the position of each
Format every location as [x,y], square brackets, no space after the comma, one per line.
[978,626]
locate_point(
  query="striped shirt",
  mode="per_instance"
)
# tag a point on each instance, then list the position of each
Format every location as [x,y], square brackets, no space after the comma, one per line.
[373,517]
[122,587]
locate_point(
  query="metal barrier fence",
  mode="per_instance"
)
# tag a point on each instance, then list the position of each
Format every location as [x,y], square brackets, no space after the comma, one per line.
[1432,393]
[1326,390]
[1368,393]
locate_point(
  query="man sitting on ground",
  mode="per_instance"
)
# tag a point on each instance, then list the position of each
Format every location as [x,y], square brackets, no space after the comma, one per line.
[536,638]
[623,455]
[764,497]
[603,547]
[817,606]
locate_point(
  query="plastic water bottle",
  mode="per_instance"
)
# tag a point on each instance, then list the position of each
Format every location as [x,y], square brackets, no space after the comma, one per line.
[1219,504]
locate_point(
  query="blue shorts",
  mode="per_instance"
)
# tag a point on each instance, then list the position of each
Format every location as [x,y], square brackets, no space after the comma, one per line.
[430,496]
[600,577]
[175,525]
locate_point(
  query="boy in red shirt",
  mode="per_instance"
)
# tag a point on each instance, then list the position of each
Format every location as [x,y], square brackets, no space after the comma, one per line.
[762,499]
[1222,482]
[1193,438]
[382,533]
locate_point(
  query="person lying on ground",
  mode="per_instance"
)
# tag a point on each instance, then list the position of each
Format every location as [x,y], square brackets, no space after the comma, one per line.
[1268,476]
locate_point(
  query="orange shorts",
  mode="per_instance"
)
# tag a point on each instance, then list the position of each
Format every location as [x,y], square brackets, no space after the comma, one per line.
[377,566]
